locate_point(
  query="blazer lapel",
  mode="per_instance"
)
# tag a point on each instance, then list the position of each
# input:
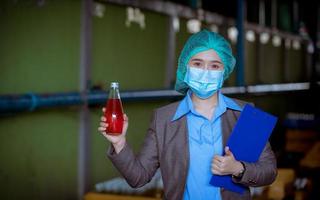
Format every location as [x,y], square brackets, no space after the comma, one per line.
[228,119]
[179,137]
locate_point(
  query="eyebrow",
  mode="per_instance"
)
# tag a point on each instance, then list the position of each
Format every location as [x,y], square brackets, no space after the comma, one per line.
[197,59]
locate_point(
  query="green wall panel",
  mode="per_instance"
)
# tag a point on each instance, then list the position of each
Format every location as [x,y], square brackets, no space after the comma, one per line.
[133,56]
[39,52]
[39,49]
[250,68]
[271,69]
[181,37]
[296,68]
[38,154]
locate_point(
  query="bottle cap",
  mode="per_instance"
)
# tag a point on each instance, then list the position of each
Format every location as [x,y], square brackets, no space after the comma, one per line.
[114,84]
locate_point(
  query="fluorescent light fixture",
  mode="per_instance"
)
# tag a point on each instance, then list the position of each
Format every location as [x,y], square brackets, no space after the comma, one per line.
[193,25]
[296,45]
[310,48]
[287,43]
[176,24]
[233,34]
[250,36]
[276,41]
[264,38]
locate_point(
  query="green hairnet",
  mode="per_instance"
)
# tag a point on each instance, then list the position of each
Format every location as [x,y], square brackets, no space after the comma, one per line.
[203,41]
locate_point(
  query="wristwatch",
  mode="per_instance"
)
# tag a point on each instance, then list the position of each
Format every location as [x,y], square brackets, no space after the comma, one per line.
[240,174]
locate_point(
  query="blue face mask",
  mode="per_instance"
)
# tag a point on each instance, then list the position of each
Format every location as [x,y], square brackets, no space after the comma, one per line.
[204,83]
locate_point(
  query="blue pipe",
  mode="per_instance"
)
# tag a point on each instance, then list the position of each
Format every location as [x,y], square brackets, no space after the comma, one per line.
[31,101]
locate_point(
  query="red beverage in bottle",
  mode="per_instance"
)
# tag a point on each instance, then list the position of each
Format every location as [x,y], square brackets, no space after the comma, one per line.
[114,111]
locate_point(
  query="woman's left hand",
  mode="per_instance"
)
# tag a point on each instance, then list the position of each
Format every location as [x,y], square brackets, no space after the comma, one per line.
[225,165]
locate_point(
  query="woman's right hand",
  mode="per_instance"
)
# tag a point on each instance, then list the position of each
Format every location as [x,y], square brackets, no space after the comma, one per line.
[118,141]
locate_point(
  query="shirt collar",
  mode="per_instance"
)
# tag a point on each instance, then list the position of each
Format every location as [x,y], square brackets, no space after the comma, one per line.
[186,105]
[230,103]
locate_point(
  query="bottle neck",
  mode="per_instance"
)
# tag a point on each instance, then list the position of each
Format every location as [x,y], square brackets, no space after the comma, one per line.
[114,93]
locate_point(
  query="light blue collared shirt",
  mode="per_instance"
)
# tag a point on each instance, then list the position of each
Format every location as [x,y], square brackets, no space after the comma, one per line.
[205,141]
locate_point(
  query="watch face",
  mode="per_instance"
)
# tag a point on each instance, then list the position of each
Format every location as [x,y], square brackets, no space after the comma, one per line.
[239,176]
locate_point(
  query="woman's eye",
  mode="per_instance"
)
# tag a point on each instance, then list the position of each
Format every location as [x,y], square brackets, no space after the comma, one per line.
[215,66]
[196,64]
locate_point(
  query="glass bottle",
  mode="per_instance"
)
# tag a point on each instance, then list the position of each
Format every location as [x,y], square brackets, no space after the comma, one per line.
[114,111]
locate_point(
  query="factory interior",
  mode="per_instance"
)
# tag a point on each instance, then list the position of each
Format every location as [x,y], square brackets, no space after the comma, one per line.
[58,59]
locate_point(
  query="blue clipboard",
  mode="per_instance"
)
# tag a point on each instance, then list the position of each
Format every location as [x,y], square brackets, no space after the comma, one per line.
[246,142]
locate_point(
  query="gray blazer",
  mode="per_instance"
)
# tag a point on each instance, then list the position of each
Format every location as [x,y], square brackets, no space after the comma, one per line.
[166,146]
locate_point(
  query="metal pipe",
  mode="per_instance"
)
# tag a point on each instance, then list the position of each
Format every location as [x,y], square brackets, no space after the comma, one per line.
[171,47]
[262,13]
[240,43]
[295,15]
[84,140]
[172,9]
[169,8]
[274,14]
[260,49]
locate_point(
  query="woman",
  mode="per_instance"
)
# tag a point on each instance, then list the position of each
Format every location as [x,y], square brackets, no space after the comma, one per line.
[186,139]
